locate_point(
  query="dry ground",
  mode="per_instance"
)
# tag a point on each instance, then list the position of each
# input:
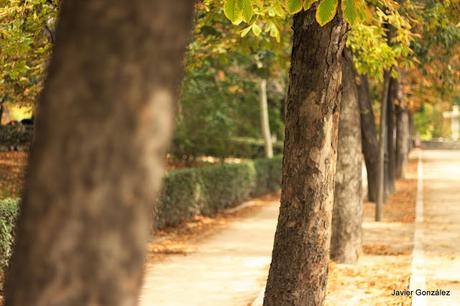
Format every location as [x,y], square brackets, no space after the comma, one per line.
[12,165]
[385,262]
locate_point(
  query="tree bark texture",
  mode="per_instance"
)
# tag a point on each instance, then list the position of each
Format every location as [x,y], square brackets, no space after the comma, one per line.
[346,238]
[382,141]
[402,141]
[102,130]
[264,120]
[370,143]
[298,272]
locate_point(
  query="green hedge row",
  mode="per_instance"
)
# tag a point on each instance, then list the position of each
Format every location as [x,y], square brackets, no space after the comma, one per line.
[206,190]
[252,148]
[241,147]
[185,193]
[15,135]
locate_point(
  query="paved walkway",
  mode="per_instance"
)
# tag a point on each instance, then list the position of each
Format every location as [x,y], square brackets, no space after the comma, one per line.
[440,246]
[227,269]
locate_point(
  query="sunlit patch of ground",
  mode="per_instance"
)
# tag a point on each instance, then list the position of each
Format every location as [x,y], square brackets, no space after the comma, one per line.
[371,282]
[207,262]
[12,165]
[385,262]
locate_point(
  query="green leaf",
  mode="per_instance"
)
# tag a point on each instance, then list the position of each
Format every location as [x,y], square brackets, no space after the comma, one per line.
[245,31]
[294,6]
[308,3]
[247,10]
[352,10]
[274,32]
[326,11]
[279,11]
[233,11]
[256,29]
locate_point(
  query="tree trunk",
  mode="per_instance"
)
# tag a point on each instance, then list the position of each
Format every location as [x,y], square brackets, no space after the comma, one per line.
[264,121]
[391,147]
[402,141]
[346,238]
[382,140]
[1,114]
[411,131]
[298,272]
[104,122]
[370,141]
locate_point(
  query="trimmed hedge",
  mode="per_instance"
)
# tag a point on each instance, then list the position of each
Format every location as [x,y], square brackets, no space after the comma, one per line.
[12,136]
[251,148]
[194,191]
[186,192]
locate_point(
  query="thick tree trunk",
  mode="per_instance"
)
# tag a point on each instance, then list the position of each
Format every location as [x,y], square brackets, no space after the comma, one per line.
[370,141]
[382,141]
[1,114]
[103,127]
[346,238]
[264,119]
[402,141]
[298,272]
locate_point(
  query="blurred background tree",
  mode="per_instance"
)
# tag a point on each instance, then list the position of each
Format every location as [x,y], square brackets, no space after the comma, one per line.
[26,38]
[218,112]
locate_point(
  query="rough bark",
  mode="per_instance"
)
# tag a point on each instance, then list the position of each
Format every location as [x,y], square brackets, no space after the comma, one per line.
[346,238]
[402,141]
[103,126]
[382,142]
[370,141]
[264,120]
[298,272]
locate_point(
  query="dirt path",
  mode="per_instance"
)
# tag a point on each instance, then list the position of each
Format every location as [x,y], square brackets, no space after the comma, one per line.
[441,227]
[223,269]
